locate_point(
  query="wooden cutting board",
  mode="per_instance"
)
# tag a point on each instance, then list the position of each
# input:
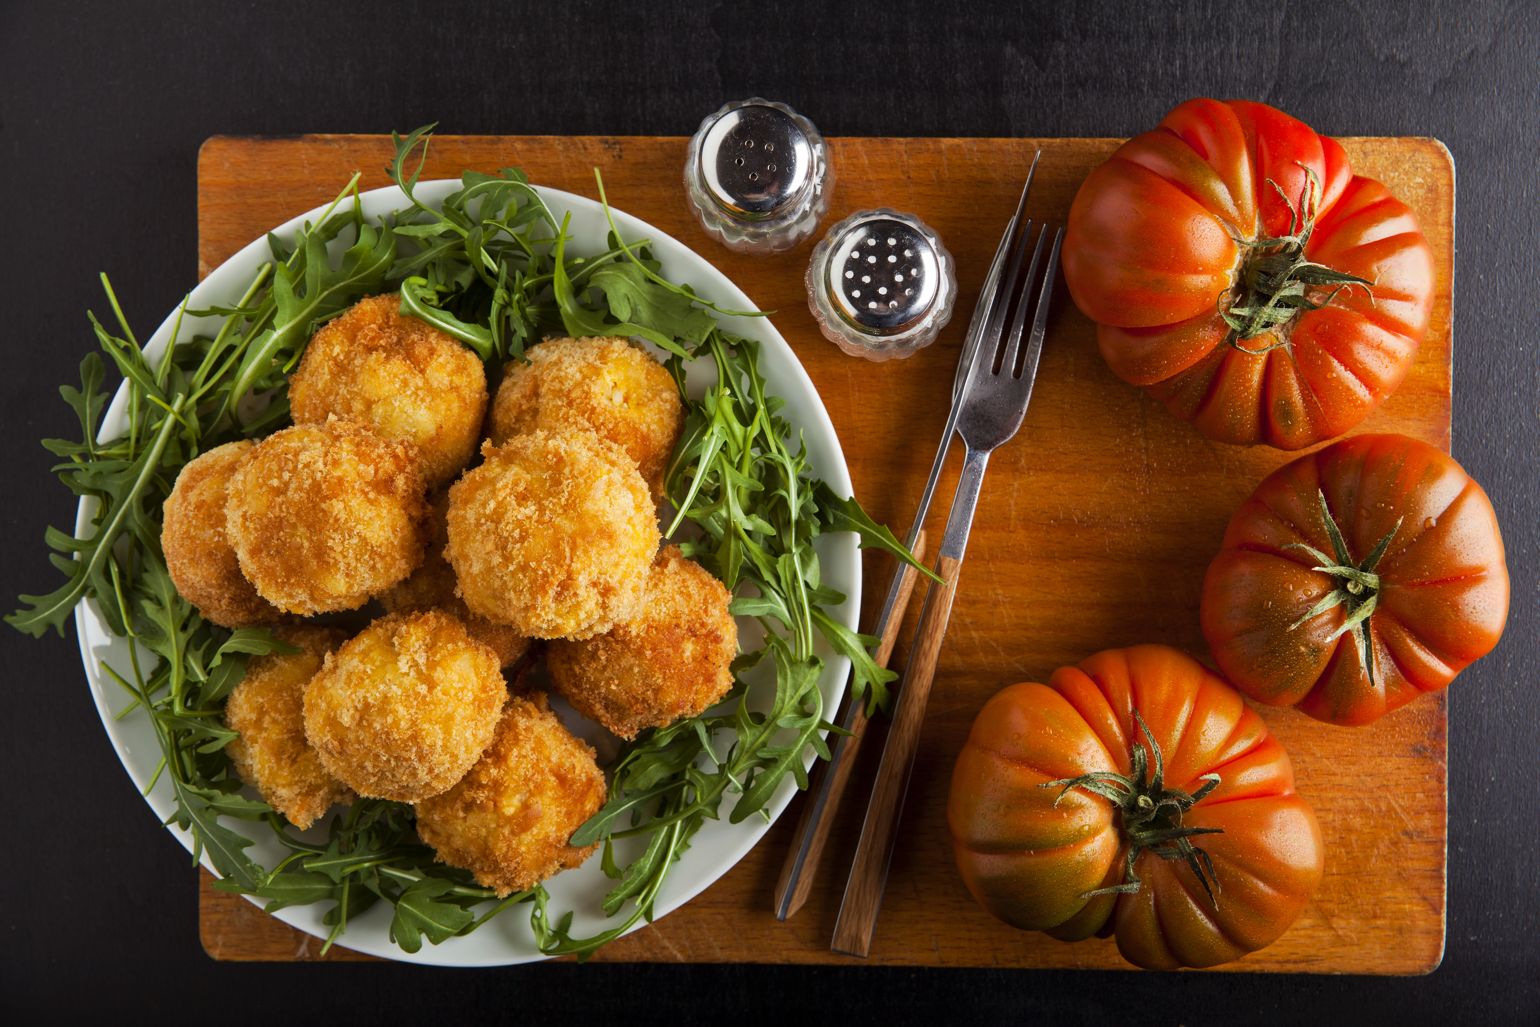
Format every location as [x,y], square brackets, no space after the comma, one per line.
[1094,530]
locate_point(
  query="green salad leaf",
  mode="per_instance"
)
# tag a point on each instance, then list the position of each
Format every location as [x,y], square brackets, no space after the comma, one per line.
[492,266]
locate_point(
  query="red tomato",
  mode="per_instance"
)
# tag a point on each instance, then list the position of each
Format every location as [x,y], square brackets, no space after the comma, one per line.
[1236,210]
[1193,858]
[1433,599]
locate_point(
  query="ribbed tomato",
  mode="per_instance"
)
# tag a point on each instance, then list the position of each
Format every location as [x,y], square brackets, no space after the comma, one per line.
[1134,795]
[1355,579]
[1239,271]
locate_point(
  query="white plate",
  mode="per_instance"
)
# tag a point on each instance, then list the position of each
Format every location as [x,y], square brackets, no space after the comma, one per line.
[718,845]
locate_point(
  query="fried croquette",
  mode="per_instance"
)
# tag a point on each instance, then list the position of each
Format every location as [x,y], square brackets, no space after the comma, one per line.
[323,516]
[552,534]
[509,819]
[267,708]
[198,553]
[672,660]
[612,387]
[406,707]
[398,376]
[432,587]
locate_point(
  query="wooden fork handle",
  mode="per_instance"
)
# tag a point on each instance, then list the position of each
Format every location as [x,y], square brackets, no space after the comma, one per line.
[869,872]
[820,811]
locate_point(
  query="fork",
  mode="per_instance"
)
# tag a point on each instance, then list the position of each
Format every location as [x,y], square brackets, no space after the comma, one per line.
[822,804]
[995,399]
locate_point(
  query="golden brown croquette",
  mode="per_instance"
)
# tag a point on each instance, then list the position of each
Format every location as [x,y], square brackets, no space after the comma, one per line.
[671,660]
[404,709]
[400,377]
[432,587]
[198,553]
[552,534]
[508,821]
[612,387]
[323,516]
[267,708]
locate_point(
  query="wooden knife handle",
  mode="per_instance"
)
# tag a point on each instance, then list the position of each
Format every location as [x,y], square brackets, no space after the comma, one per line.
[869,872]
[820,812]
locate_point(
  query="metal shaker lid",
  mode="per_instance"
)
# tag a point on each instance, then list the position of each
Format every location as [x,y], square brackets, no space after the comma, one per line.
[883,274]
[881,284]
[756,161]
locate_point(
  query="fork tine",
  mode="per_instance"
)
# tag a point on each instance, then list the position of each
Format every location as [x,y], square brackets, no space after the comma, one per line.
[1040,319]
[1026,187]
[979,327]
[989,314]
[1012,344]
[1037,155]
[1009,291]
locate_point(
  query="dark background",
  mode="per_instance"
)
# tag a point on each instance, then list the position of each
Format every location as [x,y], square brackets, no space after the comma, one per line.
[102,108]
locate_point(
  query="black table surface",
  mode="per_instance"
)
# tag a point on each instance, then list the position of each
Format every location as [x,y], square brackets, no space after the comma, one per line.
[102,108]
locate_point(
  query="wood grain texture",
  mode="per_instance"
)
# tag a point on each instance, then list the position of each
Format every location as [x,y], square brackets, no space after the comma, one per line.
[861,903]
[1094,530]
[804,852]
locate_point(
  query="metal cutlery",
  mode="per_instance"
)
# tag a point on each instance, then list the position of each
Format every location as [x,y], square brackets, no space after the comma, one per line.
[993,402]
[827,791]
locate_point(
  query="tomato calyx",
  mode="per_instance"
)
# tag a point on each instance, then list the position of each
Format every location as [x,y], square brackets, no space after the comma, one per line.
[1357,587]
[1276,280]
[1150,814]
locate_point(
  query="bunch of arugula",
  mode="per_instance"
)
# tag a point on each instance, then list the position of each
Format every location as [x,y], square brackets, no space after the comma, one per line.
[491,267]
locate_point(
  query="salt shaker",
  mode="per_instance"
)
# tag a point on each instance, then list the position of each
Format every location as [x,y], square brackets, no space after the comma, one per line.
[881,285]
[757,176]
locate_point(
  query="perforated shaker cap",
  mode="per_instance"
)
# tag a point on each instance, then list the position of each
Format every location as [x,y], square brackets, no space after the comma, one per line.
[883,274]
[756,161]
[881,284]
[757,176]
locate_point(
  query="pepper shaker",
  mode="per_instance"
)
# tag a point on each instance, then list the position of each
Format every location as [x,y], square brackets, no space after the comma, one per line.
[881,285]
[757,176]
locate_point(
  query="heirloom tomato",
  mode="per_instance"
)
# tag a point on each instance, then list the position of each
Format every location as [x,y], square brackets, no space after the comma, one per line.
[1240,272]
[1355,579]
[1135,795]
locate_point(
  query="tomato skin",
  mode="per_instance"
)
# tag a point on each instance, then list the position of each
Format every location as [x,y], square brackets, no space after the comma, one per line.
[1029,862]
[1444,597]
[1151,254]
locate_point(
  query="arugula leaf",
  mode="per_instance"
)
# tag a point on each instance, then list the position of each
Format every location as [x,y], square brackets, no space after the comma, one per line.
[867,678]
[288,889]
[39,613]
[226,848]
[420,299]
[836,514]
[253,642]
[89,400]
[670,318]
[420,914]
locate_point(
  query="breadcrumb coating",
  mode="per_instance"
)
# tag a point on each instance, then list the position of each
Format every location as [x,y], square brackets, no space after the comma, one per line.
[509,820]
[611,386]
[267,708]
[406,707]
[323,516]
[552,534]
[671,660]
[198,553]
[432,587]
[398,376]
